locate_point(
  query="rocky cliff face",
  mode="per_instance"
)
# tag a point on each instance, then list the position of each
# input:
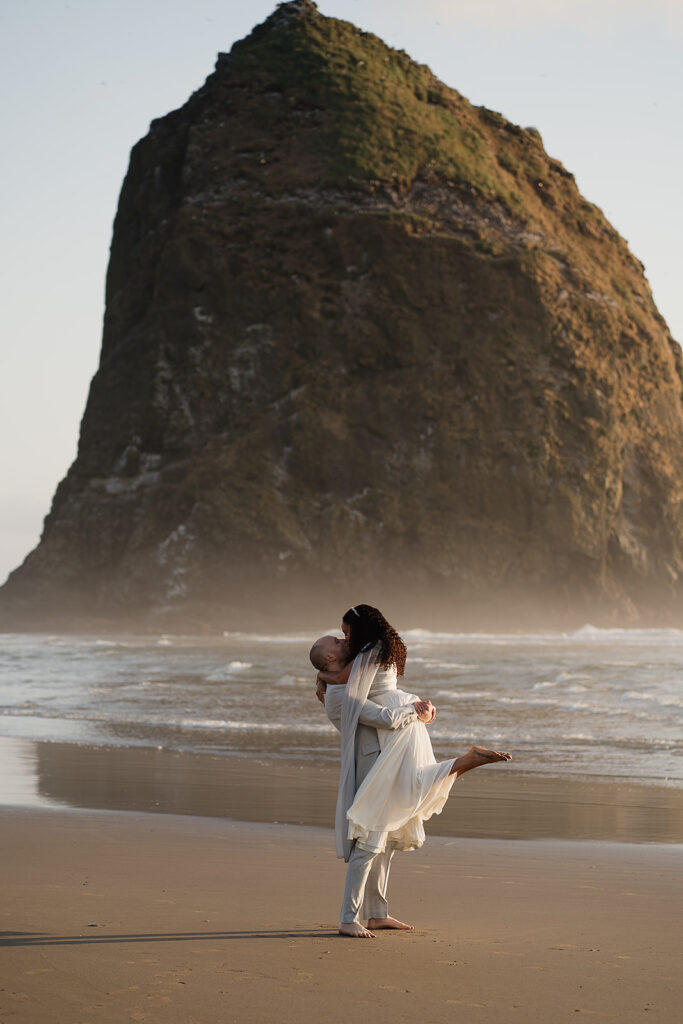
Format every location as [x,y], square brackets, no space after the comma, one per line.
[364,341]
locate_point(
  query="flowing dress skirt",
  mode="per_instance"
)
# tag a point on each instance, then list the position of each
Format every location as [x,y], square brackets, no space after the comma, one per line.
[404,788]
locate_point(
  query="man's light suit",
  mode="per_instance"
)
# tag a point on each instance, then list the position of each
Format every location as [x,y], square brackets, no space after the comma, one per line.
[367,875]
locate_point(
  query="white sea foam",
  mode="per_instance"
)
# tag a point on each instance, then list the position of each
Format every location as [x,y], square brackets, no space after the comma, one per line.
[226,672]
[629,637]
[440,663]
[30,712]
[586,634]
[529,701]
[663,700]
[463,695]
[275,638]
[229,724]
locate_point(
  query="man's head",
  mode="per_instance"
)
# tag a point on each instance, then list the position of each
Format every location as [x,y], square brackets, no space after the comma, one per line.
[329,653]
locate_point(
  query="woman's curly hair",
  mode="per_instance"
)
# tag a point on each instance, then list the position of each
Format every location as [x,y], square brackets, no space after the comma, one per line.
[368,625]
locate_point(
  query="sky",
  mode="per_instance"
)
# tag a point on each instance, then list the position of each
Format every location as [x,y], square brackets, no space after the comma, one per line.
[602,80]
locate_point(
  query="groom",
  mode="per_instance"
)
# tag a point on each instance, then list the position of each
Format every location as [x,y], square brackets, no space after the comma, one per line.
[367,874]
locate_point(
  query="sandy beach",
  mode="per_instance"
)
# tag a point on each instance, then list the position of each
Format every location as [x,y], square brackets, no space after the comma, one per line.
[134,917]
[113,913]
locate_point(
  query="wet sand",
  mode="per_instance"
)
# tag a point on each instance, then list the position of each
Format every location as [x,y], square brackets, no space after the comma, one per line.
[113,916]
[496,802]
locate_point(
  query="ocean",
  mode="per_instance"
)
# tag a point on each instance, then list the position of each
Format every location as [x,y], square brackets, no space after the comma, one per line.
[596,702]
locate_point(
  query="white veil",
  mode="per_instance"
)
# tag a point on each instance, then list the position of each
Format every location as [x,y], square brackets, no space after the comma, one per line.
[356,692]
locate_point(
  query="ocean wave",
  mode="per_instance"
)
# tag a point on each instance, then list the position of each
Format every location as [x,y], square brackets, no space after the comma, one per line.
[579,706]
[276,638]
[437,663]
[226,724]
[232,725]
[294,681]
[664,700]
[27,712]
[628,636]
[463,694]
[547,744]
[222,675]
[539,702]
[425,636]
[587,633]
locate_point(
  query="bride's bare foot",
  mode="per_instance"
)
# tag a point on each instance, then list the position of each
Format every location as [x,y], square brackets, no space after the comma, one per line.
[487,756]
[354,930]
[389,922]
[476,757]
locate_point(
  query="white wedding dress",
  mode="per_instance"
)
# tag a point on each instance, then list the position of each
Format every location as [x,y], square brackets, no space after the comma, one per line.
[405,786]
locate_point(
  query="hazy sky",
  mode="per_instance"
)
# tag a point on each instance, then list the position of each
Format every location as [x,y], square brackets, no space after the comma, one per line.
[602,80]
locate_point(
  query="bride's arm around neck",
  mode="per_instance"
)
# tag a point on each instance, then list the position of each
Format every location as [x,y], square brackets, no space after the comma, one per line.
[336,677]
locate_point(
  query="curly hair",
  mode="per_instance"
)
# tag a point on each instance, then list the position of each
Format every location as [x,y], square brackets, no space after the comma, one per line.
[368,625]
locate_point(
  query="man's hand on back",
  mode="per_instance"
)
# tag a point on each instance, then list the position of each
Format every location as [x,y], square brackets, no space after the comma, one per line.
[320,688]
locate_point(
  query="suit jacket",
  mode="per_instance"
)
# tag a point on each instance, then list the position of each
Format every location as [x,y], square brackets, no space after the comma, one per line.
[366,744]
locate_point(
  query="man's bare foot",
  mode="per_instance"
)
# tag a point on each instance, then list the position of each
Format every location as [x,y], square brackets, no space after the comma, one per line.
[354,930]
[389,922]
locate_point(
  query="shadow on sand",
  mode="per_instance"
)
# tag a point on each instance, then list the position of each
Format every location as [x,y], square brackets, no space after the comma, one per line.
[43,939]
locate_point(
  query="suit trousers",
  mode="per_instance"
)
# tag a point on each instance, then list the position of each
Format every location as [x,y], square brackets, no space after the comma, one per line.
[365,890]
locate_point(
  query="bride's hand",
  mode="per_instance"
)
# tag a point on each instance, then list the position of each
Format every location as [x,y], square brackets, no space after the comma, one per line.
[426,711]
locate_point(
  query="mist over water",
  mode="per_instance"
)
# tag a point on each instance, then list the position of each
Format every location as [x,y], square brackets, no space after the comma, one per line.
[594,702]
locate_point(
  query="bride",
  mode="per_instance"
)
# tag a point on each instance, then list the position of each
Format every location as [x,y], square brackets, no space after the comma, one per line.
[406,785]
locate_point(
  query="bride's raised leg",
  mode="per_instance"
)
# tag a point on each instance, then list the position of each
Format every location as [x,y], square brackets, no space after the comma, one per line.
[475,758]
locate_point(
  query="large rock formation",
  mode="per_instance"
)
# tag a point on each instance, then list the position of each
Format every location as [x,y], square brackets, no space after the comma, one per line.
[364,341]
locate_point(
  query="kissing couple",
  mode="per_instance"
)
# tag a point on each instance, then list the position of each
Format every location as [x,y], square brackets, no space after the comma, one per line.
[390,782]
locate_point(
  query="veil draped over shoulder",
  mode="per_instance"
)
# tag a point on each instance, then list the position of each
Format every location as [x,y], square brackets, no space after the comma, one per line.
[356,693]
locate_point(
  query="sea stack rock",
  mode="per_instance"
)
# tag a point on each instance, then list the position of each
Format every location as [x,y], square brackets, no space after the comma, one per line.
[363,341]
